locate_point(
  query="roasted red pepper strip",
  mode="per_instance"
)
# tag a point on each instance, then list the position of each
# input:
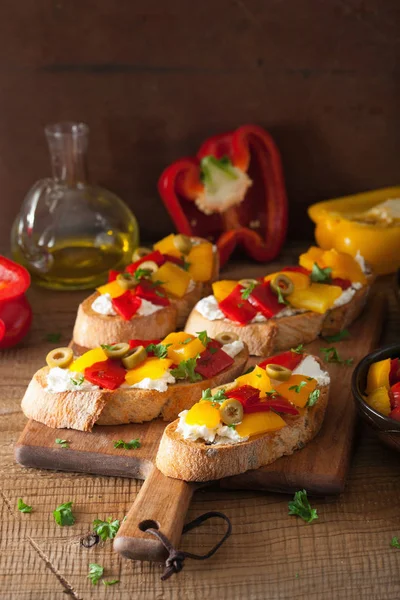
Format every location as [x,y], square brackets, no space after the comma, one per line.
[15,310]
[210,364]
[394,374]
[126,305]
[276,403]
[153,294]
[288,359]
[342,283]
[112,275]
[246,394]
[394,395]
[174,259]
[297,270]
[265,300]
[233,192]
[236,309]
[107,374]
[155,256]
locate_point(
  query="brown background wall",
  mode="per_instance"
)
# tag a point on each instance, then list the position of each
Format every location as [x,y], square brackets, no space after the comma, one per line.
[153,78]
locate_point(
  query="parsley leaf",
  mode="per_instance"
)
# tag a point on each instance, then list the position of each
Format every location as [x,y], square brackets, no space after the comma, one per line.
[159,350]
[108,529]
[95,573]
[338,337]
[313,397]
[298,350]
[246,291]
[110,582]
[186,265]
[206,394]
[53,337]
[203,337]
[232,426]
[320,275]
[79,380]
[142,273]
[331,355]
[186,370]
[395,542]
[62,443]
[219,396]
[22,507]
[132,445]
[281,297]
[297,388]
[249,370]
[187,341]
[271,393]
[300,506]
[63,514]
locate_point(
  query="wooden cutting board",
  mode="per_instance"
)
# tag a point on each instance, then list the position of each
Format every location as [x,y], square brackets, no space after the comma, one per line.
[321,467]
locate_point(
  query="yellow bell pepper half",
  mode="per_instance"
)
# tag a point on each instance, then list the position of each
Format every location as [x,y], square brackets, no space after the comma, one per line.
[378,375]
[342,223]
[379,400]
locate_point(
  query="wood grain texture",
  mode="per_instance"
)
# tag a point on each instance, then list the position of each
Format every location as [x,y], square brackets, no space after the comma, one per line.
[345,554]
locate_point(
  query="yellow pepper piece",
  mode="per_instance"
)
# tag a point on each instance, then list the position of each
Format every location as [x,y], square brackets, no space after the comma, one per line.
[319,297]
[222,289]
[201,261]
[113,288]
[343,265]
[299,280]
[379,400]
[167,246]
[88,359]
[175,280]
[378,375]
[177,337]
[339,225]
[261,422]
[203,414]
[258,379]
[180,352]
[313,255]
[153,368]
[301,389]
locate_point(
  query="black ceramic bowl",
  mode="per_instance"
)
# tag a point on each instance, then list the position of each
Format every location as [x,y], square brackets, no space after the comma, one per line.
[387,430]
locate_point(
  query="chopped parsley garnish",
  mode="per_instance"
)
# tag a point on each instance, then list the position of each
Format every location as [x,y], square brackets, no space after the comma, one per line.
[63,514]
[212,350]
[271,393]
[246,291]
[141,273]
[331,355]
[300,506]
[249,370]
[162,295]
[298,350]
[319,275]
[281,297]
[159,350]
[338,337]
[132,445]
[219,396]
[107,530]
[22,507]
[187,341]
[78,381]
[232,426]
[62,443]
[110,582]
[297,388]
[53,337]
[157,283]
[206,394]
[313,397]
[186,370]
[186,265]
[203,337]
[395,542]
[95,573]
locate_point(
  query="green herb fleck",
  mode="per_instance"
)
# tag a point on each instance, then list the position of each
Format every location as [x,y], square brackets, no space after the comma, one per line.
[271,393]
[22,507]
[95,573]
[62,443]
[212,350]
[110,582]
[160,294]
[159,350]
[297,575]
[319,275]
[142,273]
[297,388]
[63,514]
[108,529]
[249,370]
[53,337]
[281,297]
[313,397]
[246,291]
[187,341]
[331,355]
[300,506]
[298,350]
[132,445]
[395,542]
[220,395]
[206,394]
[232,426]
[186,265]
[338,337]
[79,380]
[186,370]
[203,337]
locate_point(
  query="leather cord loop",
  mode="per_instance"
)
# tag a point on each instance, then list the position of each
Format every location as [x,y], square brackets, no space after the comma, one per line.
[176,558]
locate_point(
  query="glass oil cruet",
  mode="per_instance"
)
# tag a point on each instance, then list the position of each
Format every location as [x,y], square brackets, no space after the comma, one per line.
[69,233]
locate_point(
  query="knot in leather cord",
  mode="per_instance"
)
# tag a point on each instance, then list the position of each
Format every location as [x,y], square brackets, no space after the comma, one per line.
[176,558]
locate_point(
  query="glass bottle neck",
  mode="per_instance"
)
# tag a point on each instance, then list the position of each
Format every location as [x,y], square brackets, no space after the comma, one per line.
[68,152]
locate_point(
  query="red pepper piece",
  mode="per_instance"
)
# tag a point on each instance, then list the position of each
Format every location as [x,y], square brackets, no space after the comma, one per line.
[174,259]
[145,344]
[107,374]
[394,395]
[126,305]
[246,394]
[250,150]
[155,256]
[342,283]
[15,310]
[112,275]
[154,294]
[277,404]
[297,270]
[236,309]
[265,300]
[288,359]
[394,374]
[395,414]
[210,364]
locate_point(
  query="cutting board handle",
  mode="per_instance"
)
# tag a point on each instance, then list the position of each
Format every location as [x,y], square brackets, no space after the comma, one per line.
[161,503]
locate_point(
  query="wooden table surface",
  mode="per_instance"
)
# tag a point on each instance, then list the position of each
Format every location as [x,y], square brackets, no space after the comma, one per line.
[345,554]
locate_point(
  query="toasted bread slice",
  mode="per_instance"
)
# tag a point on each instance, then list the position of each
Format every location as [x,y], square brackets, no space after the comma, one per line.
[81,410]
[275,335]
[198,461]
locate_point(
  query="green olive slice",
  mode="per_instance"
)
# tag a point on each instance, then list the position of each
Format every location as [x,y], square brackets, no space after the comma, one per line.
[278,372]
[134,357]
[149,265]
[116,350]
[283,284]
[126,281]
[231,411]
[183,243]
[226,337]
[140,252]
[247,282]
[60,357]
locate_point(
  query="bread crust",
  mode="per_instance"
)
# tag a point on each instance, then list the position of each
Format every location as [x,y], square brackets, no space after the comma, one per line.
[276,335]
[81,410]
[197,461]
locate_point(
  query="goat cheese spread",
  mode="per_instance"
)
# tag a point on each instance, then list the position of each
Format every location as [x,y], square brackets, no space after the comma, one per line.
[147,308]
[311,368]
[160,384]
[233,348]
[217,435]
[191,286]
[64,380]
[103,305]
[347,295]
[361,261]
[208,308]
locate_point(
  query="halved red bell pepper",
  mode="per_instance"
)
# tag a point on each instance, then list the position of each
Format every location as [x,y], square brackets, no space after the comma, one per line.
[236,308]
[394,373]
[395,414]
[288,359]
[15,310]
[154,294]
[246,394]
[210,364]
[127,305]
[155,256]
[265,300]
[107,374]
[232,192]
